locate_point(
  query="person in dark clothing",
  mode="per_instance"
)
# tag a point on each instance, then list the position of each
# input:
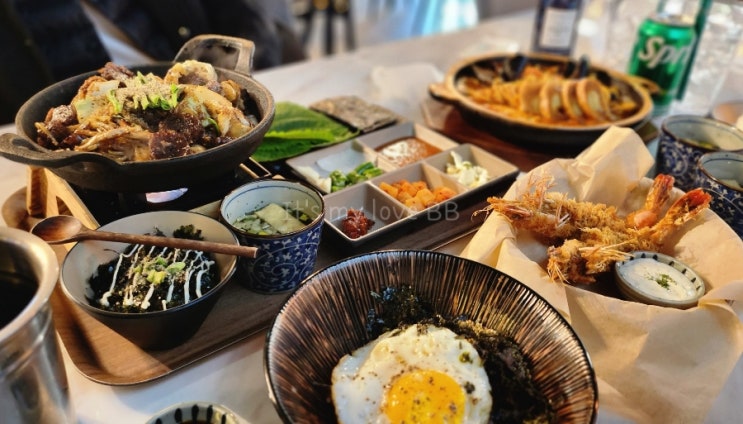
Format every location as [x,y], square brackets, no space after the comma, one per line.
[45,41]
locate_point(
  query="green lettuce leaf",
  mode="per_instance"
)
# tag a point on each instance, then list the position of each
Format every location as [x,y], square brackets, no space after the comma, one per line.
[296,130]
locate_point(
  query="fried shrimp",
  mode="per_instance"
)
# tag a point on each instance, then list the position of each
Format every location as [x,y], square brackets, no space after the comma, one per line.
[686,208]
[552,215]
[586,239]
[658,196]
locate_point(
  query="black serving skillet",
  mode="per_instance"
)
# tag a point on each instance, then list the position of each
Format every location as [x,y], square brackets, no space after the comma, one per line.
[232,59]
[522,131]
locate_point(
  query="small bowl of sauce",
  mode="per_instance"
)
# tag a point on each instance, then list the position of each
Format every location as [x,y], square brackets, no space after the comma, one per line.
[406,150]
[657,279]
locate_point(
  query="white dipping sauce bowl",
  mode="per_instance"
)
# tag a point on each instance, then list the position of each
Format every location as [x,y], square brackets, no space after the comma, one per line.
[657,279]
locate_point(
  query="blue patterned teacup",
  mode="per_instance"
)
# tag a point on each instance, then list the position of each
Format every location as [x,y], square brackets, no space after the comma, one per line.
[285,259]
[684,138]
[722,177]
[195,412]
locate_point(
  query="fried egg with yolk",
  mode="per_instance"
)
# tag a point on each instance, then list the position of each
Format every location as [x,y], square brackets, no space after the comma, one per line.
[420,374]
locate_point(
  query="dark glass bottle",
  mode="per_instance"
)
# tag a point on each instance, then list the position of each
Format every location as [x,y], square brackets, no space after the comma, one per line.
[556,26]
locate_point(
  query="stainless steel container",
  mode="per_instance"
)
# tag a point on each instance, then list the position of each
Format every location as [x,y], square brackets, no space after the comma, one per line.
[33,383]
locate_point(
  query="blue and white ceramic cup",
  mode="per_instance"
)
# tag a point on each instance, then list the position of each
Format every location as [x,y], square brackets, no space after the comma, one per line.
[195,412]
[684,138]
[722,177]
[283,260]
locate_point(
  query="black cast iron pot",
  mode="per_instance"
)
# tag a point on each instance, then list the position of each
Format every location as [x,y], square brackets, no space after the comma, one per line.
[232,59]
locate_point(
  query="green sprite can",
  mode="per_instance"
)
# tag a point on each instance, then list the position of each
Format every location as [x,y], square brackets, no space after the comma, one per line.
[661,54]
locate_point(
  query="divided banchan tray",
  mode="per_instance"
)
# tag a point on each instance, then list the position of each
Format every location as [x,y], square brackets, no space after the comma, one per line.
[388,213]
[315,167]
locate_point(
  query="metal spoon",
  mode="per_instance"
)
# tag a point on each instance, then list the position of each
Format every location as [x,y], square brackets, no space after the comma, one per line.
[64,229]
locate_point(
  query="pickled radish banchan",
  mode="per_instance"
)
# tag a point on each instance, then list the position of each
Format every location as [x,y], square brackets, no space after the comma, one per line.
[149,278]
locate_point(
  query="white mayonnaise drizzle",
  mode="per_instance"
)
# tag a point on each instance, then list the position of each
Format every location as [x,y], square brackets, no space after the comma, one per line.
[143,259]
[198,282]
[104,299]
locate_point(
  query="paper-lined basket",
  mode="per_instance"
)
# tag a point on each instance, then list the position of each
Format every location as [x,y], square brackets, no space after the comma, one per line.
[654,364]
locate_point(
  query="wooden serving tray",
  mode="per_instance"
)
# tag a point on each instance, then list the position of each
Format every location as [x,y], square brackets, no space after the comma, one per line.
[100,353]
[104,356]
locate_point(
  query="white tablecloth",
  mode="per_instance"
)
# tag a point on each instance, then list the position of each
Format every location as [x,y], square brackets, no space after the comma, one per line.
[234,376]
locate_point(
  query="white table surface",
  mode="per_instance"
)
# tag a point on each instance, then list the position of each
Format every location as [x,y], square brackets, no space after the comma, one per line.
[234,377]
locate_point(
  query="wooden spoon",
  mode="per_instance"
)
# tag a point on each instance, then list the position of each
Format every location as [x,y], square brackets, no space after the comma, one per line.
[64,229]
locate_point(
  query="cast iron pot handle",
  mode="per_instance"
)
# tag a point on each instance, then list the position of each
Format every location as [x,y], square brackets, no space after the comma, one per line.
[225,52]
[20,149]
[442,93]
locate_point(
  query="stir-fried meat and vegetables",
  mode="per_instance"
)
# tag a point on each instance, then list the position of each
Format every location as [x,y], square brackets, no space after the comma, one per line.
[134,117]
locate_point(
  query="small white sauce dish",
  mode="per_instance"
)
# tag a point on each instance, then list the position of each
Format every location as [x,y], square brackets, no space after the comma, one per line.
[657,279]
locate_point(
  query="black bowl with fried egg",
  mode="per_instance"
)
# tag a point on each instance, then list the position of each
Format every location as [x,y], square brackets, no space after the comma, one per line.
[329,316]
[153,330]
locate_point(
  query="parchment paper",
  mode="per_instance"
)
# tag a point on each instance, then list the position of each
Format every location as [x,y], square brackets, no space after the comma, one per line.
[654,364]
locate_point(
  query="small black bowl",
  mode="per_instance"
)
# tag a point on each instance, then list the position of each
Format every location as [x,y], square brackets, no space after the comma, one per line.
[148,330]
